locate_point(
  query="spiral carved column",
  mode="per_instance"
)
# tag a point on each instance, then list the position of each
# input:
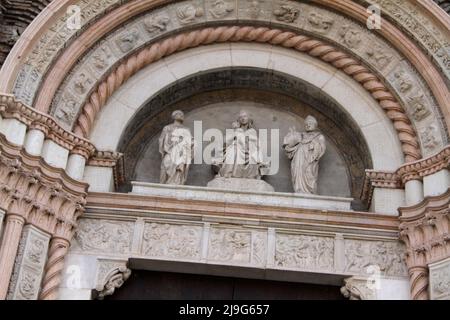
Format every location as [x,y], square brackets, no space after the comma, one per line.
[53,269]
[419,283]
[8,251]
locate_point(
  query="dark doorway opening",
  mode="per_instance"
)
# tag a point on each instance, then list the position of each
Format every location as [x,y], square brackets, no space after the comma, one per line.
[151,285]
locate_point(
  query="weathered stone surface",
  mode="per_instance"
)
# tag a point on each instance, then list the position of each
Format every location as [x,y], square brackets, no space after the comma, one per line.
[240,184]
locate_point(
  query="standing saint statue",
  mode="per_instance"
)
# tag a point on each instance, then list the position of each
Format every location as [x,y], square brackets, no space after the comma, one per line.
[242,157]
[305,149]
[175,147]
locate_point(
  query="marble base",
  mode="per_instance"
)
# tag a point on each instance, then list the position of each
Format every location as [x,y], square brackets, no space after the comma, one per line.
[241,185]
[277,199]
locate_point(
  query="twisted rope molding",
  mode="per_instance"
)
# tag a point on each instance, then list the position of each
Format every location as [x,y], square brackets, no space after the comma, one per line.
[301,43]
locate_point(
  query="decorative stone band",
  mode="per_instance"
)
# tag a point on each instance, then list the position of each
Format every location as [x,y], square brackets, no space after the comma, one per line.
[425,228]
[410,171]
[11,108]
[301,43]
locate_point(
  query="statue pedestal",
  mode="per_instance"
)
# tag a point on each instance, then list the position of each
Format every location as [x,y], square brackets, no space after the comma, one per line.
[249,196]
[237,184]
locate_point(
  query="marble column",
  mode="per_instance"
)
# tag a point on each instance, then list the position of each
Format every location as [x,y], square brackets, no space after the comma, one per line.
[413,192]
[34,141]
[8,250]
[75,166]
[29,265]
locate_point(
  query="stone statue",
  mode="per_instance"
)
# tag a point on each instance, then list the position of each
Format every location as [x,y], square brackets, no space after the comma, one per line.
[242,157]
[305,149]
[176,148]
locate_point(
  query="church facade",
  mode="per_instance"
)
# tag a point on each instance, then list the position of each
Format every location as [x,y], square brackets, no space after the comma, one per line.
[131,158]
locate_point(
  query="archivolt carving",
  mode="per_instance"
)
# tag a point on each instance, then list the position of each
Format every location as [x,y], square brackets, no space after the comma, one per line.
[301,43]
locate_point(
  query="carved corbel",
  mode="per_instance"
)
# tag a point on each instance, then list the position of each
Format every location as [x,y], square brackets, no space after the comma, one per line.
[358,288]
[111,275]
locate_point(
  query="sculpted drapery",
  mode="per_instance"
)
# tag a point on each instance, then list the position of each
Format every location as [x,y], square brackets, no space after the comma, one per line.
[175,147]
[242,157]
[305,149]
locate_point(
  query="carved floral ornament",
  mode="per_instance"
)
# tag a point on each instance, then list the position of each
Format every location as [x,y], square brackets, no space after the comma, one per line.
[194,11]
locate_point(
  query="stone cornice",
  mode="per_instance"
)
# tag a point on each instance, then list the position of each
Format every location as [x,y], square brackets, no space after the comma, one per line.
[11,108]
[44,196]
[410,171]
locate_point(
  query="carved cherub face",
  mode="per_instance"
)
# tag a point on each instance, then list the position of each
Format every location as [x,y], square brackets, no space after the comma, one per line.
[310,124]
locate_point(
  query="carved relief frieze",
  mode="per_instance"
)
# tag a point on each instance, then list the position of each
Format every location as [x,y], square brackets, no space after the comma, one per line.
[440,280]
[259,250]
[221,9]
[255,9]
[421,27]
[366,257]
[95,235]
[28,270]
[227,245]
[320,22]
[156,23]
[351,36]
[51,44]
[378,55]
[429,138]
[188,13]
[286,12]
[304,252]
[172,241]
